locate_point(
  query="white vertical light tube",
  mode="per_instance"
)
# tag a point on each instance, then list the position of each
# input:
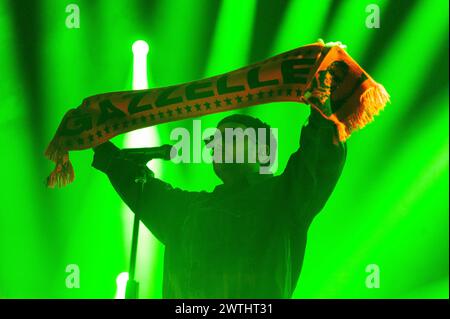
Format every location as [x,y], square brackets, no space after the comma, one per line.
[145,137]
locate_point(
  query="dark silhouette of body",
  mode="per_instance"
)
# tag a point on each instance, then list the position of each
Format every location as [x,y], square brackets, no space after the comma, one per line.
[247,238]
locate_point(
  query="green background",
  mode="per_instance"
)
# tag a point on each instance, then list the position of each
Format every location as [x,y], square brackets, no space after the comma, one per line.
[389,208]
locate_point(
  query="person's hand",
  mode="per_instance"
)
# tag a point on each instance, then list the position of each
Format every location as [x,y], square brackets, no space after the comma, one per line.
[107,146]
[103,154]
[319,94]
[333,44]
[322,102]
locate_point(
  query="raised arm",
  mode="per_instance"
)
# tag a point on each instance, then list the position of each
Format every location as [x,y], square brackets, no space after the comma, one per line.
[314,169]
[161,207]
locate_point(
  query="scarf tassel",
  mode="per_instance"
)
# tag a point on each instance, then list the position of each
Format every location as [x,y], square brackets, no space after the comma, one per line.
[372,101]
[63,173]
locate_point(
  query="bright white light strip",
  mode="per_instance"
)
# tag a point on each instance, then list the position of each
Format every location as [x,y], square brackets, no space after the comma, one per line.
[140,51]
[146,137]
[121,283]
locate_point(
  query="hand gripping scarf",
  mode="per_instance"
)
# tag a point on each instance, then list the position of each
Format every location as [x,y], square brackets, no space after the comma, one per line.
[304,75]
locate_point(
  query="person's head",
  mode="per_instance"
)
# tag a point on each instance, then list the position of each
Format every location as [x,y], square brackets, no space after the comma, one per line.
[338,70]
[245,144]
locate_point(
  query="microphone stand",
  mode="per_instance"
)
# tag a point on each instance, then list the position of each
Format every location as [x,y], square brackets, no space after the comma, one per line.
[132,288]
[141,157]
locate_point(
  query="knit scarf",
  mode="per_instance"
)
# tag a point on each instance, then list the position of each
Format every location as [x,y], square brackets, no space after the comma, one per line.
[309,74]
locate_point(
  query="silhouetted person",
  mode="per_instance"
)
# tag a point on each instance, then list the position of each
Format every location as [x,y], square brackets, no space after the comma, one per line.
[247,238]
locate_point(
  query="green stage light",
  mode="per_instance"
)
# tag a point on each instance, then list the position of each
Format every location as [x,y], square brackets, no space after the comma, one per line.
[390,206]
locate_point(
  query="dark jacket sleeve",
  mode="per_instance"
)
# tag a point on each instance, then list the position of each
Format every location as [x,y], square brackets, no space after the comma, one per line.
[314,169]
[161,207]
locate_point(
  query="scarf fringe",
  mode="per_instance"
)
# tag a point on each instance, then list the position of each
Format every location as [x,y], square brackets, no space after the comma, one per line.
[372,101]
[63,173]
